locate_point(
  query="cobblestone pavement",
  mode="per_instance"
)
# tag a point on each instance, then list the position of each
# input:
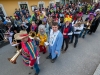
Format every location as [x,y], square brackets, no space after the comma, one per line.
[82,60]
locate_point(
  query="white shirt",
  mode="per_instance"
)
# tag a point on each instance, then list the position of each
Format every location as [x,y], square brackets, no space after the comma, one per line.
[77,28]
[53,36]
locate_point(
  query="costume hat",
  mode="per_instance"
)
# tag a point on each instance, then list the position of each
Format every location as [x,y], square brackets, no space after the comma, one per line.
[22,34]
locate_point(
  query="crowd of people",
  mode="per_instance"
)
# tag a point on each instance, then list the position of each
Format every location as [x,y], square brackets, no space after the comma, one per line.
[53,27]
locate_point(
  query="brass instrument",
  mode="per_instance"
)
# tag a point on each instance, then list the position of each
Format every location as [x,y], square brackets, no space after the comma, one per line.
[5,38]
[6,35]
[32,34]
[78,24]
[14,58]
[88,24]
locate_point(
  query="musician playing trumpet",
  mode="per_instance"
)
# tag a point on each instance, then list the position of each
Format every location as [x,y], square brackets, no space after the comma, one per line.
[29,50]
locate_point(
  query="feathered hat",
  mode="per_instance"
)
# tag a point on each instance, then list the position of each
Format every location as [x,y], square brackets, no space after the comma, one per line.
[68,18]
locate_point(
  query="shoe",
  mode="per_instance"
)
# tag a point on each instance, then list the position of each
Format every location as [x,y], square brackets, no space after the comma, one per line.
[48,57]
[40,51]
[44,52]
[74,46]
[63,51]
[83,37]
[30,73]
[70,42]
[90,33]
[31,67]
[52,60]
[35,74]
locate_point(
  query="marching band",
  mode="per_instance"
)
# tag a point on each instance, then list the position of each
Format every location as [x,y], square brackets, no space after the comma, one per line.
[49,33]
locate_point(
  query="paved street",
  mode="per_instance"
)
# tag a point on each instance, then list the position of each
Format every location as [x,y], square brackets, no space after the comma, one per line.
[82,60]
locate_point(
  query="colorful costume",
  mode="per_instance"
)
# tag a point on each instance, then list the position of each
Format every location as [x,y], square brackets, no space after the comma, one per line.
[66,30]
[43,38]
[29,51]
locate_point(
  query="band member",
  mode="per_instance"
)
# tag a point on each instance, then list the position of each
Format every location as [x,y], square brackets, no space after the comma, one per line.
[66,29]
[29,50]
[42,38]
[10,32]
[77,27]
[55,42]
[97,20]
[88,22]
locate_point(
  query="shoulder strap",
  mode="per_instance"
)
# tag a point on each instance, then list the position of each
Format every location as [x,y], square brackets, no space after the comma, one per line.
[74,21]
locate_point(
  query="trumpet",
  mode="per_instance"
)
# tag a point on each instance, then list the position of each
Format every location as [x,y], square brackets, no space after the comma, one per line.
[32,34]
[14,58]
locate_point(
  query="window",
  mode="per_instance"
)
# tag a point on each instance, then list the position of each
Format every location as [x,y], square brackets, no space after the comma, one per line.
[41,4]
[24,5]
[33,7]
[57,3]
[51,4]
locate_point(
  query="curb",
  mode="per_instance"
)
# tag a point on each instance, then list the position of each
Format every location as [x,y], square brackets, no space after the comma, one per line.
[3,43]
[97,72]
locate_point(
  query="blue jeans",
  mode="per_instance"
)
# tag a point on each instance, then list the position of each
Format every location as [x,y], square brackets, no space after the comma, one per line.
[83,32]
[80,35]
[36,68]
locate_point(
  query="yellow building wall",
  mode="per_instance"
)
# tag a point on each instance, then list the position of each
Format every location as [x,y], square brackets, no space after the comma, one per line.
[11,5]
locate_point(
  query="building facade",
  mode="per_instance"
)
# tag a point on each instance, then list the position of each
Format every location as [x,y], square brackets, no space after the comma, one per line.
[7,7]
